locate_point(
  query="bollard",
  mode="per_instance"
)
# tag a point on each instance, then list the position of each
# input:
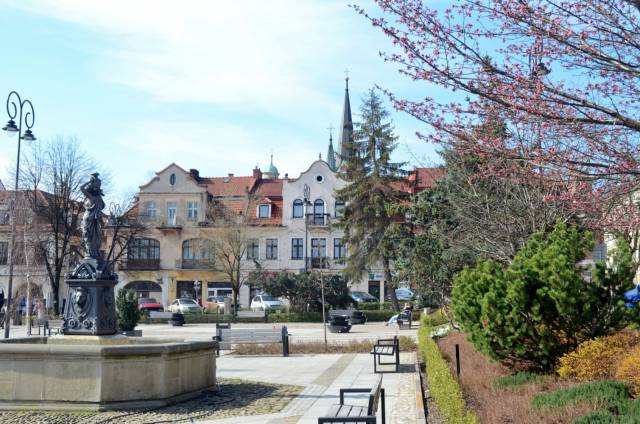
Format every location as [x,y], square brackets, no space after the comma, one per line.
[458,361]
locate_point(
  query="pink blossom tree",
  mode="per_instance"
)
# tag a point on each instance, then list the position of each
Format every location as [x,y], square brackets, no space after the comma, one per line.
[561,76]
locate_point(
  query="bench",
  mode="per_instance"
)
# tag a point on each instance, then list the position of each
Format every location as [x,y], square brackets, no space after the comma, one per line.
[355,316]
[386,347]
[173,318]
[51,325]
[261,315]
[343,413]
[404,318]
[230,336]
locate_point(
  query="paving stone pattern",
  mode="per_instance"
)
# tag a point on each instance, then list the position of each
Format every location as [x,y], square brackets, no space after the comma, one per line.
[235,398]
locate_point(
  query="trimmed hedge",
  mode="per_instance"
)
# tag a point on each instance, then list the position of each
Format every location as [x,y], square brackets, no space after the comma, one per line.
[443,387]
[296,317]
[375,306]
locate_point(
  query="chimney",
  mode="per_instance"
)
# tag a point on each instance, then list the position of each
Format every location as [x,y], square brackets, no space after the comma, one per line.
[257,174]
[195,174]
[286,176]
[230,174]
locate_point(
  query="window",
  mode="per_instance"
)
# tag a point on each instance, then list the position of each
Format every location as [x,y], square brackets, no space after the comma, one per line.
[272,248]
[600,252]
[298,208]
[4,252]
[192,211]
[264,211]
[197,249]
[150,209]
[318,248]
[338,249]
[172,210]
[339,209]
[142,249]
[297,248]
[253,249]
[18,254]
[318,212]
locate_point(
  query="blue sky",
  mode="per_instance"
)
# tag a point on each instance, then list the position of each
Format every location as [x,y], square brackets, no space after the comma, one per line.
[213,85]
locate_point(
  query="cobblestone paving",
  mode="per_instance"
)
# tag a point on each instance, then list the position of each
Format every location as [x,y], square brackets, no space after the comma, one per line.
[235,398]
[404,409]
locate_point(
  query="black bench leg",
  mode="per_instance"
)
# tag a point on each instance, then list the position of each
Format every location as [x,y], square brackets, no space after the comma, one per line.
[397,358]
[375,369]
[384,412]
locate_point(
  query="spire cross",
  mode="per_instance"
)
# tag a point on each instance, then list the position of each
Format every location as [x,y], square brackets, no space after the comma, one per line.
[330,128]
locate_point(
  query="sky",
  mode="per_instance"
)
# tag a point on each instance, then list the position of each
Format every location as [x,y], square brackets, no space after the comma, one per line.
[213,85]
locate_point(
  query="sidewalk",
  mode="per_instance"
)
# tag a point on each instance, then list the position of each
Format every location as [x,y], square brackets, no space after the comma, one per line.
[323,376]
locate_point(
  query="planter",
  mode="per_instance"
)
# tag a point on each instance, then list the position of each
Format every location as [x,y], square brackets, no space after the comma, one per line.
[177,320]
[339,324]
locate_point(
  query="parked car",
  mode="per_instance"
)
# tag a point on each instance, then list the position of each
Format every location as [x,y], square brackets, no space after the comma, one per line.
[214,302]
[263,302]
[146,304]
[403,295]
[184,306]
[359,297]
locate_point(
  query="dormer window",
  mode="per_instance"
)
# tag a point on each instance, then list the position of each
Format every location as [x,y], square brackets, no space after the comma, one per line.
[264,210]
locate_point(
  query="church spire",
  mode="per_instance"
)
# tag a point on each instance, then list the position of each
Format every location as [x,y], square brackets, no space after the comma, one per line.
[331,155]
[346,128]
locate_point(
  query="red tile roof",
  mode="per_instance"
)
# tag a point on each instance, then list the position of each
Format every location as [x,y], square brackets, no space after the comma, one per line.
[229,186]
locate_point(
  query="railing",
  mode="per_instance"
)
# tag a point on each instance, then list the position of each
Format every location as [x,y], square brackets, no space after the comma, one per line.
[318,219]
[141,264]
[318,262]
[195,264]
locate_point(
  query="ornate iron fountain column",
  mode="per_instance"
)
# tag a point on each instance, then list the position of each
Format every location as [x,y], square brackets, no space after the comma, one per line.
[91,308]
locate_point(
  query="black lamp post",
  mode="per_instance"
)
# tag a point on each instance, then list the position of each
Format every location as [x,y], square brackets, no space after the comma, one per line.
[23,111]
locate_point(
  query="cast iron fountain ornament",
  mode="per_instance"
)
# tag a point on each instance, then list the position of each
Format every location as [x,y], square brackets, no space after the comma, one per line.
[91,308]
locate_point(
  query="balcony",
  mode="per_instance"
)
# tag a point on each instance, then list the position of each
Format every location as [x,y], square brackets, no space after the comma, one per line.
[194,264]
[321,262]
[318,220]
[141,265]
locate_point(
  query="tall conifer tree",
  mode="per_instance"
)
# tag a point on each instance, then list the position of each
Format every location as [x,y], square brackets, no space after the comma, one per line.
[374,185]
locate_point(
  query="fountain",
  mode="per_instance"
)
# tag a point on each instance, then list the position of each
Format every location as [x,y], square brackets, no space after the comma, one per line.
[89,366]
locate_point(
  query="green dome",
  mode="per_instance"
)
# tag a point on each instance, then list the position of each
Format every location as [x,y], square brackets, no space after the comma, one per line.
[273,169]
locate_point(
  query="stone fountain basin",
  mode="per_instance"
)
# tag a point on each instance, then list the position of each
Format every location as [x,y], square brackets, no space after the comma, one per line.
[103,372]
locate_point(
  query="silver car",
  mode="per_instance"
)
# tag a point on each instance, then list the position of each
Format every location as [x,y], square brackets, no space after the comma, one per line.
[185,306]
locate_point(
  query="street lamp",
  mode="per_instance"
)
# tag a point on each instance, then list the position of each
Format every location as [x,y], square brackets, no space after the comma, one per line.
[23,111]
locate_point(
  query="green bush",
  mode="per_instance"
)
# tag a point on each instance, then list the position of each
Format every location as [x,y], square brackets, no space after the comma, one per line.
[375,306]
[435,319]
[539,307]
[296,317]
[517,379]
[604,392]
[127,313]
[444,388]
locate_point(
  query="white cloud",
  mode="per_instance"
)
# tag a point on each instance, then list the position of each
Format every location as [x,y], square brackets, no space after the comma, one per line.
[270,55]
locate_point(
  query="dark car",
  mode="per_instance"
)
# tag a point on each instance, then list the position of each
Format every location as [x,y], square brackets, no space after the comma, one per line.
[146,304]
[359,297]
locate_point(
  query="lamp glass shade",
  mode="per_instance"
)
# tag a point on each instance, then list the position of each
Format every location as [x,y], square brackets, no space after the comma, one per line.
[11,127]
[28,135]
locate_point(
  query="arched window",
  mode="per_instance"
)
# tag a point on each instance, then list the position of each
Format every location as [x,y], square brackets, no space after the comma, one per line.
[298,208]
[318,212]
[339,209]
[143,248]
[197,253]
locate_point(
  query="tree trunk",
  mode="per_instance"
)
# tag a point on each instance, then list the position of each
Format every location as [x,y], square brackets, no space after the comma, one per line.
[55,288]
[388,281]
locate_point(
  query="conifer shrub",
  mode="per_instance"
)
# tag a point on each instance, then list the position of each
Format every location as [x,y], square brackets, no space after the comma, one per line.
[597,359]
[127,313]
[629,370]
[538,308]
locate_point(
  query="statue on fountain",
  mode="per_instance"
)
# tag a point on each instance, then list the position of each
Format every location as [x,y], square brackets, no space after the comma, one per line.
[91,308]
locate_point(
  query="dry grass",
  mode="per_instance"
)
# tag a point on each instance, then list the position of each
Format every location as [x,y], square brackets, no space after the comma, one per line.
[508,405]
[407,344]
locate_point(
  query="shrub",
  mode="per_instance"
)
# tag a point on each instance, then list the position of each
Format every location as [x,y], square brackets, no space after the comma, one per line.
[127,313]
[445,390]
[629,370]
[539,307]
[517,379]
[437,318]
[296,317]
[598,358]
[407,344]
[375,306]
[604,392]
